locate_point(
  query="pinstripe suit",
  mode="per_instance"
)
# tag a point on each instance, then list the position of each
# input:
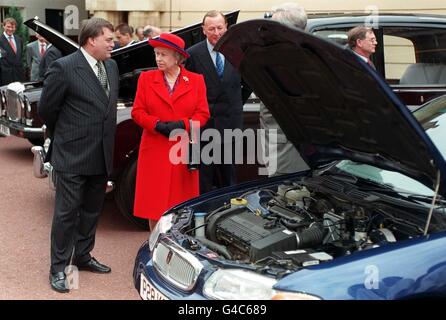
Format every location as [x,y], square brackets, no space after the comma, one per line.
[81,120]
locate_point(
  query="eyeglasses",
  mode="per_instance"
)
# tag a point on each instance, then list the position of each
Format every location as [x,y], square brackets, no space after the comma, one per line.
[372,40]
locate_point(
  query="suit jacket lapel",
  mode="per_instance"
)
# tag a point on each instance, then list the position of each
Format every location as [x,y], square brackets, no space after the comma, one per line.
[112,82]
[84,70]
[7,46]
[18,44]
[36,48]
[206,60]
[228,69]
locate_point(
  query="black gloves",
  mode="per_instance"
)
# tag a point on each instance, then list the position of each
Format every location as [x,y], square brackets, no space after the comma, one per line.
[166,127]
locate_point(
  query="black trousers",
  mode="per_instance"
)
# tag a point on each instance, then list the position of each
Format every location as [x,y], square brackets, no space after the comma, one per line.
[79,201]
[218,175]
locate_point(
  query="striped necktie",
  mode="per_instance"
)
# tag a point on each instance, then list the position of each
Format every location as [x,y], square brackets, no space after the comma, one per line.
[42,49]
[11,43]
[219,65]
[102,76]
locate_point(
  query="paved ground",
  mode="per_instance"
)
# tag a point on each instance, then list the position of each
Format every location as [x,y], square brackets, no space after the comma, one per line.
[26,206]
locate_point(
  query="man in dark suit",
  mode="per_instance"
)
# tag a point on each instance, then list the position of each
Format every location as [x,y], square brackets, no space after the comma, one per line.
[11,51]
[362,41]
[78,106]
[124,35]
[225,93]
[51,54]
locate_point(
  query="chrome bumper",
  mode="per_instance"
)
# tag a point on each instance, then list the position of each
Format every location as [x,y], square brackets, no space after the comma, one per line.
[42,169]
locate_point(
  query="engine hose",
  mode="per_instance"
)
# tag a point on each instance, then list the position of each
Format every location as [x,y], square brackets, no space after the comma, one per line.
[215,246]
[310,237]
[293,225]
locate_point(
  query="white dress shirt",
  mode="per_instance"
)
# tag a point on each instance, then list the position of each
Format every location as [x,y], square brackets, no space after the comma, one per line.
[214,53]
[13,39]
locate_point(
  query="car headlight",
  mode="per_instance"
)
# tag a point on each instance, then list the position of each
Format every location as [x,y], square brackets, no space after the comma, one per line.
[239,284]
[164,224]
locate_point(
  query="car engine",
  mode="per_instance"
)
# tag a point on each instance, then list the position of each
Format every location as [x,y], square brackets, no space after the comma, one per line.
[298,224]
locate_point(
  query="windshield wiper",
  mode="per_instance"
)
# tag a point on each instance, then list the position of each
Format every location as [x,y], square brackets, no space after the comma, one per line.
[424,198]
[341,176]
[351,178]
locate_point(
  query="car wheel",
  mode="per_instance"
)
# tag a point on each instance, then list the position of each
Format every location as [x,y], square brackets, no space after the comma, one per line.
[36,141]
[125,195]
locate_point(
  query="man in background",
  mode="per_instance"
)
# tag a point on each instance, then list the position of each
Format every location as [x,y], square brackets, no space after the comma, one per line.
[139,33]
[124,35]
[150,32]
[362,41]
[286,159]
[226,96]
[11,51]
[51,54]
[34,53]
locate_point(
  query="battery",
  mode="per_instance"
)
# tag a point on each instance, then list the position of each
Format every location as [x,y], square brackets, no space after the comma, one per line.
[303,257]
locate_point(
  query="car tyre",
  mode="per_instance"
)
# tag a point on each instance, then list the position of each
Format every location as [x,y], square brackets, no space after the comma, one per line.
[125,195]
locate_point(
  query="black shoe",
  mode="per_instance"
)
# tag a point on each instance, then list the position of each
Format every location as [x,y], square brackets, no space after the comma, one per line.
[58,282]
[94,266]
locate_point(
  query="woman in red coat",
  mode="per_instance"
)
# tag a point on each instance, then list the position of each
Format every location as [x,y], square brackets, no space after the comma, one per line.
[165,100]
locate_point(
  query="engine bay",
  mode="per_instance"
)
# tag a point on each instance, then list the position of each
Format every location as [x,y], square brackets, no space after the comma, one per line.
[296,224]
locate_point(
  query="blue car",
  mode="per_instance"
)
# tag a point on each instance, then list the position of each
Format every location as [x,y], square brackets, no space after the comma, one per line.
[366,221]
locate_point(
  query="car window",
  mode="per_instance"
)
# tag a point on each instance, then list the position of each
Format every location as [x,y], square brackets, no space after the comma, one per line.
[433,119]
[415,56]
[336,35]
[394,179]
[399,54]
[412,56]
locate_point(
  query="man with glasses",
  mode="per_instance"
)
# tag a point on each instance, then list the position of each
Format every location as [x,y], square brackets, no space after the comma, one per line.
[362,41]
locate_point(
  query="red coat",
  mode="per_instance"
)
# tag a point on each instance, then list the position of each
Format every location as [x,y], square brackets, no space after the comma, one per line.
[159,183]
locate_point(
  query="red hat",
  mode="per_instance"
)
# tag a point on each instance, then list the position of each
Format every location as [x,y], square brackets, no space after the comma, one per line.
[171,41]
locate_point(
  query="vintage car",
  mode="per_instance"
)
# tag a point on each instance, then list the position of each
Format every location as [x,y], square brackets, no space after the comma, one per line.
[366,221]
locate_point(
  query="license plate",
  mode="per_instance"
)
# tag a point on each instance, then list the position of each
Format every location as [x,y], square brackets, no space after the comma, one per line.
[4,130]
[148,292]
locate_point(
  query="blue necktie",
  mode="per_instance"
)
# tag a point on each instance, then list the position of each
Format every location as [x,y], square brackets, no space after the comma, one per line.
[219,65]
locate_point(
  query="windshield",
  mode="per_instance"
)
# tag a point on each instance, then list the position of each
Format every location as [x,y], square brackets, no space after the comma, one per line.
[433,119]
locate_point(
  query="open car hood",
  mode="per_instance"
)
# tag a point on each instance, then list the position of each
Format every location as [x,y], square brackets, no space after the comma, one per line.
[57,39]
[134,57]
[329,103]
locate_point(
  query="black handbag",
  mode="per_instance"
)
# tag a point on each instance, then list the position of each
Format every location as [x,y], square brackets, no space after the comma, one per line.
[193,148]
